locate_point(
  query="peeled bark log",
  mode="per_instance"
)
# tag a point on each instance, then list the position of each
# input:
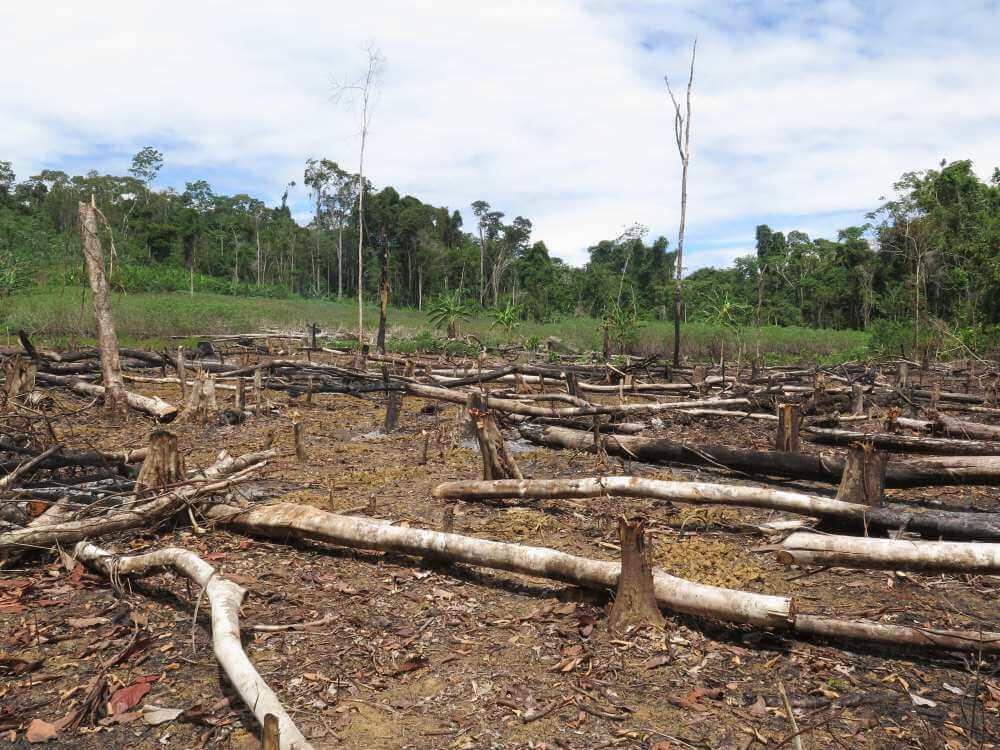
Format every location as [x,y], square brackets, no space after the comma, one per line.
[362,533]
[926,472]
[728,605]
[111,369]
[635,600]
[932,523]
[151,405]
[225,598]
[803,548]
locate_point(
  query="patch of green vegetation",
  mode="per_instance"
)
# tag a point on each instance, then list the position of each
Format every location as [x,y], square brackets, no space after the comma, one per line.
[57,314]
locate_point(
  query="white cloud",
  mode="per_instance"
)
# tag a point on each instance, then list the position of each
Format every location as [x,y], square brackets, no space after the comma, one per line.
[553,110]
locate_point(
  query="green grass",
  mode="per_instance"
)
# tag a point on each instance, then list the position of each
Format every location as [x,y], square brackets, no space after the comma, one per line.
[55,316]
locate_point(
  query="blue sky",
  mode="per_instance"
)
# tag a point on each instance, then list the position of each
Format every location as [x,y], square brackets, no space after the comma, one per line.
[804,112]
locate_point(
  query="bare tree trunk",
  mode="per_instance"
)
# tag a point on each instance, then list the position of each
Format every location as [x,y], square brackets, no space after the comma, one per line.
[111,369]
[383,293]
[789,419]
[682,135]
[340,263]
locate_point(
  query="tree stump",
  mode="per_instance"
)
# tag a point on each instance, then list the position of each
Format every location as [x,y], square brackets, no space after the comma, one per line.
[241,395]
[571,385]
[298,437]
[635,600]
[902,375]
[863,480]
[258,390]
[410,370]
[498,463]
[163,466]
[787,437]
[393,407]
[857,399]
[698,379]
[181,373]
[19,377]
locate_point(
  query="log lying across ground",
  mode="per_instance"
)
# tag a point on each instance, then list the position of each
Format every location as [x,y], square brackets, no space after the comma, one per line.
[926,472]
[932,523]
[512,406]
[803,548]
[222,474]
[155,407]
[283,520]
[362,533]
[955,428]
[904,443]
[225,598]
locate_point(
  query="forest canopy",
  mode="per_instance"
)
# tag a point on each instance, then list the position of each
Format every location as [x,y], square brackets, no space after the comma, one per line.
[928,258]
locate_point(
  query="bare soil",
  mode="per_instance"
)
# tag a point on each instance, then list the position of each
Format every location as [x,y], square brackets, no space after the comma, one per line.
[417,654]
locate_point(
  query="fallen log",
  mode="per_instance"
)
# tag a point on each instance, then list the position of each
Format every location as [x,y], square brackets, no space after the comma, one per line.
[224,598]
[515,407]
[284,519]
[364,533]
[927,472]
[934,523]
[222,474]
[155,407]
[803,548]
[905,443]
[955,428]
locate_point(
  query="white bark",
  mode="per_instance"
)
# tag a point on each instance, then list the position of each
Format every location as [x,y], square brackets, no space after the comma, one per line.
[803,548]
[225,598]
[673,593]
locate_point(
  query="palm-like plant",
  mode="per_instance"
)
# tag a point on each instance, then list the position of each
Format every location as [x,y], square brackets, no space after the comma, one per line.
[507,318]
[447,310]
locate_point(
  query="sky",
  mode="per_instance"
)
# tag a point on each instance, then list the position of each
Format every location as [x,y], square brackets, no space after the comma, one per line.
[804,113]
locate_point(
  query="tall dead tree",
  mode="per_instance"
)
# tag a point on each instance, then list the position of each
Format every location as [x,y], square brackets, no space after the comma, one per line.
[682,135]
[111,369]
[383,293]
[364,91]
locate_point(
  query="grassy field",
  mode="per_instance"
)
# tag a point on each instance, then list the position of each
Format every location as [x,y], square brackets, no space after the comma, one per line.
[57,316]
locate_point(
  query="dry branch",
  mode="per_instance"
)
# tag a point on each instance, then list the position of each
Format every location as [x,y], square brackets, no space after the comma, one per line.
[225,598]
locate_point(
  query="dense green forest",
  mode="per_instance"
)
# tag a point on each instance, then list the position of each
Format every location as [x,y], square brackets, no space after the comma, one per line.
[925,267]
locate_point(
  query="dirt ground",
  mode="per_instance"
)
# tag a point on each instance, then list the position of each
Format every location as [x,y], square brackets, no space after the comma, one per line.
[415,654]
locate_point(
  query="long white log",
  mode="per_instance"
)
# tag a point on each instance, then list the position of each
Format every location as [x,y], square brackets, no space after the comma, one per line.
[974,525]
[803,548]
[673,593]
[225,598]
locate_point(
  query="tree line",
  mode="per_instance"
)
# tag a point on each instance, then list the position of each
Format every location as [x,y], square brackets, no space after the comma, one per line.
[928,258]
